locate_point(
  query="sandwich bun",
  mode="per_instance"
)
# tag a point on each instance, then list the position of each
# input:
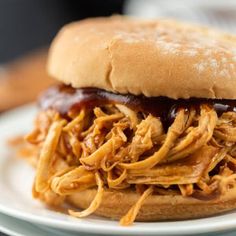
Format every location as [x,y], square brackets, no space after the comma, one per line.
[150,57]
[116,204]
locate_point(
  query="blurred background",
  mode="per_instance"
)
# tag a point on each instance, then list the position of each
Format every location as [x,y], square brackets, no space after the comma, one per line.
[27,28]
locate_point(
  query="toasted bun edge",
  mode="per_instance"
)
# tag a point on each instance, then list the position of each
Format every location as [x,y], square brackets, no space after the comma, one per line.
[116,204]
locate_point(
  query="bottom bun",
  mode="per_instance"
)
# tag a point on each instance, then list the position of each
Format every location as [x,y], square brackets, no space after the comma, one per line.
[116,204]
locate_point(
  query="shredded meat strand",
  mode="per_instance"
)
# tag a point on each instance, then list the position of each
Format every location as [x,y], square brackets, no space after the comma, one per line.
[114,147]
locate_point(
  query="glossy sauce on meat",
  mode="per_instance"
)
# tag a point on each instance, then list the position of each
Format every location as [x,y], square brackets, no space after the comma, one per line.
[65,98]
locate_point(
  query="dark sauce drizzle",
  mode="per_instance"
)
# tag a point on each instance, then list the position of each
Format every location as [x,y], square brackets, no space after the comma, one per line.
[65,98]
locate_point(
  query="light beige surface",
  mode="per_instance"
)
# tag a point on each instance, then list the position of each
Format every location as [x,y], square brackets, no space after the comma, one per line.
[116,204]
[154,58]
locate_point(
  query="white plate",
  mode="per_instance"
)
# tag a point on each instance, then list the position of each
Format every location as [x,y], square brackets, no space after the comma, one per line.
[15,196]
[15,227]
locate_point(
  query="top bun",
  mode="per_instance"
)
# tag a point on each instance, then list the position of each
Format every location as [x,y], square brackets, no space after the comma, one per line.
[154,58]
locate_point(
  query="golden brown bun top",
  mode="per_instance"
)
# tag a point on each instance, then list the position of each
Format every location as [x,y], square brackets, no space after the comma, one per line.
[154,58]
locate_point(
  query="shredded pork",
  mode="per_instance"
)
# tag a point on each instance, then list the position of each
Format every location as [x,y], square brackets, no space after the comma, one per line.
[114,147]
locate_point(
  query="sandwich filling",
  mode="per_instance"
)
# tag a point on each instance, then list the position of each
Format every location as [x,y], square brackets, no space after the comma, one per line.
[91,138]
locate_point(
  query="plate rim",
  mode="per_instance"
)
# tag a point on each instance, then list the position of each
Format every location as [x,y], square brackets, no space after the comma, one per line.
[15,223]
[86,227]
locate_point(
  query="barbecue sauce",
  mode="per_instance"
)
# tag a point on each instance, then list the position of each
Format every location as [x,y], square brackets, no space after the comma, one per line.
[64,98]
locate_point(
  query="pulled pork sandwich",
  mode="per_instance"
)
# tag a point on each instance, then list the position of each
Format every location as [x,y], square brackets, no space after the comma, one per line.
[143,125]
